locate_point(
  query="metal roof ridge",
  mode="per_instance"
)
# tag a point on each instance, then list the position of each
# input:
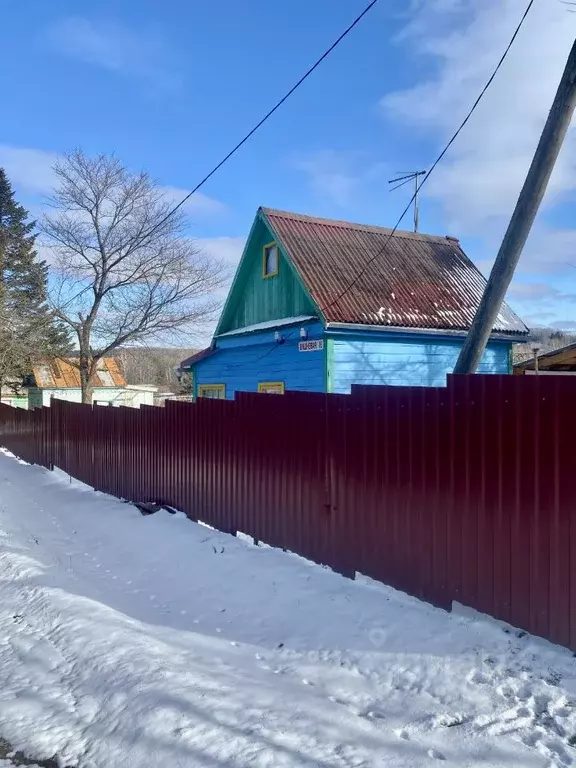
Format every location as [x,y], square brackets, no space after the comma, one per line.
[342,224]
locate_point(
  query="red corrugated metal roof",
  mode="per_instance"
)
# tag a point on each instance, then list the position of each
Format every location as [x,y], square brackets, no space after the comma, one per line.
[414,281]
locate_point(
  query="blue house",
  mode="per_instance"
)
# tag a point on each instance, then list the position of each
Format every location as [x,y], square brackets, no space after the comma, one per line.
[319,305]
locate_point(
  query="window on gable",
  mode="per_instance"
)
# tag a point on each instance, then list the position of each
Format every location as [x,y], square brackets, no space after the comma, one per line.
[105,377]
[213,391]
[55,368]
[270,263]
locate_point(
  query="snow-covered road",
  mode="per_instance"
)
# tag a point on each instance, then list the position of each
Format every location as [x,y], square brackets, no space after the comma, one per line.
[151,641]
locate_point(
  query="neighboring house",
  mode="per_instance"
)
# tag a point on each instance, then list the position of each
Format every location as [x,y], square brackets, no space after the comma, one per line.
[61,379]
[319,305]
[14,396]
[558,361]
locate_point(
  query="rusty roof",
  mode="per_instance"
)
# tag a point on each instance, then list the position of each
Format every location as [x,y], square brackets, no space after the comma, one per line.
[411,281]
[60,373]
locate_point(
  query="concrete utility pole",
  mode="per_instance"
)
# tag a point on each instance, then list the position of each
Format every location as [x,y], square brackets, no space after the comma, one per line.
[522,219]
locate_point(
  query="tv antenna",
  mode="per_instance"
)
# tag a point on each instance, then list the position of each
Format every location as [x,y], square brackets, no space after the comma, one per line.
[406,179]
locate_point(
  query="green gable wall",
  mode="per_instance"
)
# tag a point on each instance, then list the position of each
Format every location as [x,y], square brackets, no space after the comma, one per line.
[254,299]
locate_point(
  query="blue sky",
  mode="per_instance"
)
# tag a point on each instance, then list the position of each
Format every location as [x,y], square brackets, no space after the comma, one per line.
[172,86]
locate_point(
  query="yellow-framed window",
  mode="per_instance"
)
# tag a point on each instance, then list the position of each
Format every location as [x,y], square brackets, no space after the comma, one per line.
[270,260]
[271,387]
[214,391]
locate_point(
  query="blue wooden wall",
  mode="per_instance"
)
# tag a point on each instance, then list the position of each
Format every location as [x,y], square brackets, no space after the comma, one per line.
[402,361]
[242,362]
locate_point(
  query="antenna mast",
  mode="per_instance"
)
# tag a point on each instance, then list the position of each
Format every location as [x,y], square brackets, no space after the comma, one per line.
[405,179]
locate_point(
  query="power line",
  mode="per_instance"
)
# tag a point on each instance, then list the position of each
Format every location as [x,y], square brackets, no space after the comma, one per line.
[264,119]
[419,186]
[437,161]
[276,345]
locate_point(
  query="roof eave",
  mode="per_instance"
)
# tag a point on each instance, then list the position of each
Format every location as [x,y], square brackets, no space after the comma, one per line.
[514,336]
[196,358]
[268,326]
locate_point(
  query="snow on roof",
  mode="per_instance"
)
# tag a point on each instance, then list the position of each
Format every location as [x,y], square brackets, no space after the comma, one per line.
[270,324]
[409,279]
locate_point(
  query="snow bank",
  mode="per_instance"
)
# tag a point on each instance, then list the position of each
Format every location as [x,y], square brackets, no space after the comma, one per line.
[153,641]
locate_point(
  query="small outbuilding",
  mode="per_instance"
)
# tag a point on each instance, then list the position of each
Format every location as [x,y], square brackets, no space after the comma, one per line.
[557,361]
[60,378]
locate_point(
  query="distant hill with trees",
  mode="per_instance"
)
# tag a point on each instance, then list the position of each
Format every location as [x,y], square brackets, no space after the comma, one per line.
[153,365]
[546,339]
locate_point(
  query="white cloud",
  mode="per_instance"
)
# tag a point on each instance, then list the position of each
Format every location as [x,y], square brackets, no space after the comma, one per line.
[460,41]
[227,249]
[536,319]
[335,175]
[117,48]
[30,173]
[550,250]
[544,302]
[29,170]
[198,205]
[535,292]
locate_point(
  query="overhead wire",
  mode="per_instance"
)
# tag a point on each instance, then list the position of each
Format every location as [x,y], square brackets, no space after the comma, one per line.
[276,345]
[250,133]
[418,185]
[147,234]
[263,120]
[437,161]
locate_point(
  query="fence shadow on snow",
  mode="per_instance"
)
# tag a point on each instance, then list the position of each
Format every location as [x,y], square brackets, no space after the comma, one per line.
[460,493]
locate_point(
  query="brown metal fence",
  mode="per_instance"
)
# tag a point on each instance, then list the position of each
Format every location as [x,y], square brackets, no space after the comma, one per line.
[460,493]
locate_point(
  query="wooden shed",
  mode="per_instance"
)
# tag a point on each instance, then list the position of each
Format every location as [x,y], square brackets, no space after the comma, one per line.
[559,361]
[60,378]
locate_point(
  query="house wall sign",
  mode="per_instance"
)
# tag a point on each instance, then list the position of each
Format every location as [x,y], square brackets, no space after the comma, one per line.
[314,345]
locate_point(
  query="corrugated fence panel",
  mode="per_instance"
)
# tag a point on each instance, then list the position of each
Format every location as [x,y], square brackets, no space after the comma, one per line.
[458,493]
[559,460]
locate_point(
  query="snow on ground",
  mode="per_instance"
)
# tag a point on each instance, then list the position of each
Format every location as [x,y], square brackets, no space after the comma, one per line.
[152,641]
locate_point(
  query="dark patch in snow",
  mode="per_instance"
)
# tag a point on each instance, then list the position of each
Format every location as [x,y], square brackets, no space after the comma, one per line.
[553,677]
[147,508]
[19,759]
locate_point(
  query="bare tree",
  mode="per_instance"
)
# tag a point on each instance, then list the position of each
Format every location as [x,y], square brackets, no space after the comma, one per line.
[124,271]
[153,365]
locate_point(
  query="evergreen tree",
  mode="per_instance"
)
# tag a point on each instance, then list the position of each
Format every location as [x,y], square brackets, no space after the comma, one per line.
[28,330]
